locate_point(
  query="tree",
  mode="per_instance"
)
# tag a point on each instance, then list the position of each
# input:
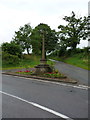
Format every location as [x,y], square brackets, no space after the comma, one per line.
[49,36]
[71,34]
[22,37]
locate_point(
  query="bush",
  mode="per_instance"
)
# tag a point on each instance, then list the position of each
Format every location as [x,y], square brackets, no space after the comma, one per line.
[78,50]
[86,50]
[12,49]
[62,51]
[26,56]
[10,59]
[71,52]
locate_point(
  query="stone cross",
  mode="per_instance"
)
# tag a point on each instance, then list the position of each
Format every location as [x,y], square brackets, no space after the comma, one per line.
[43,59]
[43,47]
[42,67]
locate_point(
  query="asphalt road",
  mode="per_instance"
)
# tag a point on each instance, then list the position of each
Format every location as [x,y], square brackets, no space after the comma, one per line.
[76,73]
[28,98]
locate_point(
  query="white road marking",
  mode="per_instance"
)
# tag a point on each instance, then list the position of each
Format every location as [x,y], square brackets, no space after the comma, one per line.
[38,106]
[84,87]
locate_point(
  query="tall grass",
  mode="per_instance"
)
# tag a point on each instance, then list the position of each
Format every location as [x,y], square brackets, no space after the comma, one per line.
[29,61]
[26,61]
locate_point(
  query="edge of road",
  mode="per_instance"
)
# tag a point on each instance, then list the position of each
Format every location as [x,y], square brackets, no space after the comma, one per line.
[56,61]
[79,86]
[77,69]
[64,80]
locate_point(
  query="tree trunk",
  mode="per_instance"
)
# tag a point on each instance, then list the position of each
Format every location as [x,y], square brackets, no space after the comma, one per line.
[74,45]
[28,51]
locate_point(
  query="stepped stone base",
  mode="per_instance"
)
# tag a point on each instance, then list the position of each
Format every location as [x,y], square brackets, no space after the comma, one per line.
[42,68]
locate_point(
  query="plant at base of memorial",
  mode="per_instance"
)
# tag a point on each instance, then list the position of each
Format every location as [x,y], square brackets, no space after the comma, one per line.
[54,75]
[27,72]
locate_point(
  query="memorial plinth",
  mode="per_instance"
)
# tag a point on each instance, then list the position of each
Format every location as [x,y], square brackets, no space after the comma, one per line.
[42,68]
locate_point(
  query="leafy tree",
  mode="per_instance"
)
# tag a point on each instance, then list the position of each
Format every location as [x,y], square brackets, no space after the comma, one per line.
[12,48]
[40,31]
[22,37]
[71,34]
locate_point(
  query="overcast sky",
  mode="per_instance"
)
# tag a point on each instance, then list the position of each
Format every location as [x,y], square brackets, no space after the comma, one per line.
[16,13]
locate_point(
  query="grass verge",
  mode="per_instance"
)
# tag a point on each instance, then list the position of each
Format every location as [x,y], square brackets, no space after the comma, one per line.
[28,61]
[79,60]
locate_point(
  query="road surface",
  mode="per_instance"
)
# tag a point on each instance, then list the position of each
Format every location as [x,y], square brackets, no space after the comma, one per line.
[30,98]
[76,73]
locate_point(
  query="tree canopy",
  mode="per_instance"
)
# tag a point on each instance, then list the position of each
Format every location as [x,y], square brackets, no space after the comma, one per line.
[49,36]
[68,35]
[71,34]
[22,37]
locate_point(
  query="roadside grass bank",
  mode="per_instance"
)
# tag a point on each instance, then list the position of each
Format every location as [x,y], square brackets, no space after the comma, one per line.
[79,60]
[27,61]
[30,61]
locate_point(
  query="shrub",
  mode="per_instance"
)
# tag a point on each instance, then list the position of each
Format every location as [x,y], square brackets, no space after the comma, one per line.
[86,50]
[10,59]
[12,49]
[71,52]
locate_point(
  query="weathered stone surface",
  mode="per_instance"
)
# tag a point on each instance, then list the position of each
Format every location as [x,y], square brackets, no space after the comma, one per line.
[42,68]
